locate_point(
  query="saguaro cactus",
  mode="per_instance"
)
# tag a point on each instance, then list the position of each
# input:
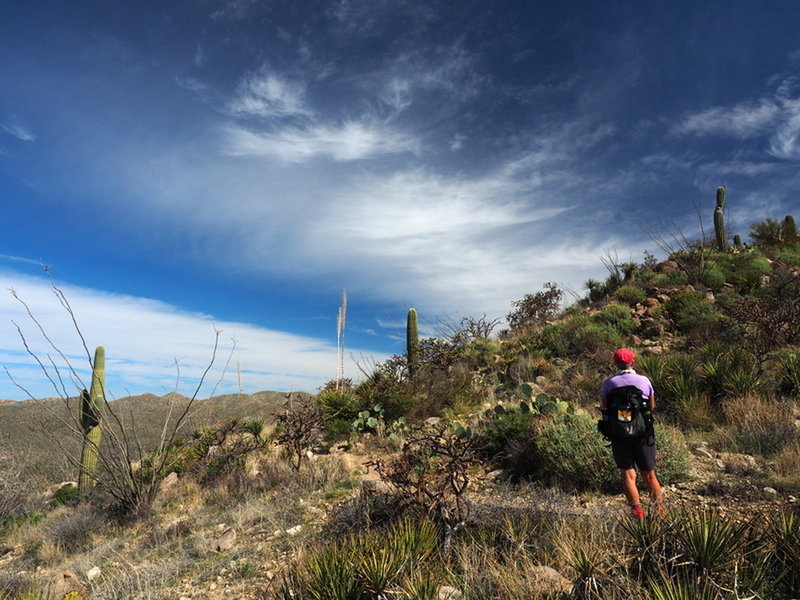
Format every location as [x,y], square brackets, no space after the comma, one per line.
[412,342]
[719,220]
[92,404]
[789,229]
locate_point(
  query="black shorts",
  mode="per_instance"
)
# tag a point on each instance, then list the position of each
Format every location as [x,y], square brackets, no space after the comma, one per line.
[640,452]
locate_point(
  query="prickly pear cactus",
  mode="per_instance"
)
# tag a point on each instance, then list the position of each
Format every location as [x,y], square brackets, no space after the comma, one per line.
[526,390]
[92,405]
[719,220]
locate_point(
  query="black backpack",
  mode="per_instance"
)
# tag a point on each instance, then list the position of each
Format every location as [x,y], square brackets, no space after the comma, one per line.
[627,414]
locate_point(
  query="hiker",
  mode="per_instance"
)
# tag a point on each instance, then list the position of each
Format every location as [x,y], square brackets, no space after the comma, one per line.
[632,440]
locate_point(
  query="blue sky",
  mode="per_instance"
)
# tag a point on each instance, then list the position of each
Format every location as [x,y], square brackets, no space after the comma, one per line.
[195,165]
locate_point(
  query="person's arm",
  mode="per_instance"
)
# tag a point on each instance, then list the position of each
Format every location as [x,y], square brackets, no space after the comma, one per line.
[651,401]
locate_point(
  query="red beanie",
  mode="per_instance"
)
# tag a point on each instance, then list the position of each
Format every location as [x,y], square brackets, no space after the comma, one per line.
[623,357]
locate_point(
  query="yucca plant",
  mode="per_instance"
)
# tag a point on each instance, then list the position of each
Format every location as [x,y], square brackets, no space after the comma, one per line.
[650,544]
[665,586]
[418,586]
[789,374]
[784,532]
[330,574]
[378,569]
[709,542]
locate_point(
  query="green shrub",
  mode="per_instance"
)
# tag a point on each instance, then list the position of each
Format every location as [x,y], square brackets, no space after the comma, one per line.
[790,255]
[569,452]
[338,404]
[617,316]
[500,432]
[747,269]
[713,277]
[554,340]
[630,295]
[693,314]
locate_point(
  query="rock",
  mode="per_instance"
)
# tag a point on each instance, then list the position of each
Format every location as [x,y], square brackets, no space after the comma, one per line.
[770,491]
[93,573]
[433,420]
[496,475]
[550,580]
[226,540]
[701,451]
[720,464]
[65,583]
[294,530]
[169,482]
[668,266]
[449,593]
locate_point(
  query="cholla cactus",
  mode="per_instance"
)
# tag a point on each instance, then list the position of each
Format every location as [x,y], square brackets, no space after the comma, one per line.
[719,220]
[92,404]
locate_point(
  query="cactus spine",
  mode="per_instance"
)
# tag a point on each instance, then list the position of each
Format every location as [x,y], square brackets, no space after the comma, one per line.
[719,220]
[412,343]
[92,404]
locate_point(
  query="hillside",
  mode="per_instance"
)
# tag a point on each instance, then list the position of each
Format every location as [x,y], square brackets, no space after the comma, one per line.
[469,467]
[39,430]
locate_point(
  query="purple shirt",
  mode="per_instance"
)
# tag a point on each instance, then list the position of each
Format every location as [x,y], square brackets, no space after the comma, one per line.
[623,379]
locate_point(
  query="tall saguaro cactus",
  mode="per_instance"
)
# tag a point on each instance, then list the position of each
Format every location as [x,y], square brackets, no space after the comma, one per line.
[412,342]
[92,405]
[719,220]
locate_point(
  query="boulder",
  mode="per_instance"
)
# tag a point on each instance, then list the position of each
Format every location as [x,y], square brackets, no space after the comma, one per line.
[64,583]
[225,542]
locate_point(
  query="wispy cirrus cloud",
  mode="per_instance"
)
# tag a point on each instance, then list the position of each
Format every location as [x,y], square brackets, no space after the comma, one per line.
[269,95]
[744,120]
[18,130]
[775,116]
[348,141]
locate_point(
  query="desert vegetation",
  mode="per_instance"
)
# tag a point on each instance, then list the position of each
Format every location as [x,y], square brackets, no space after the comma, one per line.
[468,466]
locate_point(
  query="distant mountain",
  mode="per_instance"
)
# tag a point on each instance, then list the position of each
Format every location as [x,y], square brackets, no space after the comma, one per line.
[40,433]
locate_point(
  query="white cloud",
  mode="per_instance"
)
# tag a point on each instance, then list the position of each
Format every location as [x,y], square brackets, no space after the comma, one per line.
[18,131]
[776,117]
[352,140]
[744,120]
[143,338]
[785,143]
[269,95]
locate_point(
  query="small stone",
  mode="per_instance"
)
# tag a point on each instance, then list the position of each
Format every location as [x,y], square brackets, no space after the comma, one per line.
[720,464]
[770,491]
[433,420]
[294,530]
[703,453]
[447,592]
[93,573]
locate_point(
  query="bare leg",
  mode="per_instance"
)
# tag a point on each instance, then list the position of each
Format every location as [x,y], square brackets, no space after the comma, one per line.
[629,485]
[651,481]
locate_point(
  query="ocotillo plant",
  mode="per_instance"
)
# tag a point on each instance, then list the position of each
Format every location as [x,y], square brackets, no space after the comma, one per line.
[412,343]
[92,404]
[719,220]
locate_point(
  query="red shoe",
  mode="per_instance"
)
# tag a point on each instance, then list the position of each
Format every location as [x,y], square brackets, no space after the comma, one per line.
[637,514]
